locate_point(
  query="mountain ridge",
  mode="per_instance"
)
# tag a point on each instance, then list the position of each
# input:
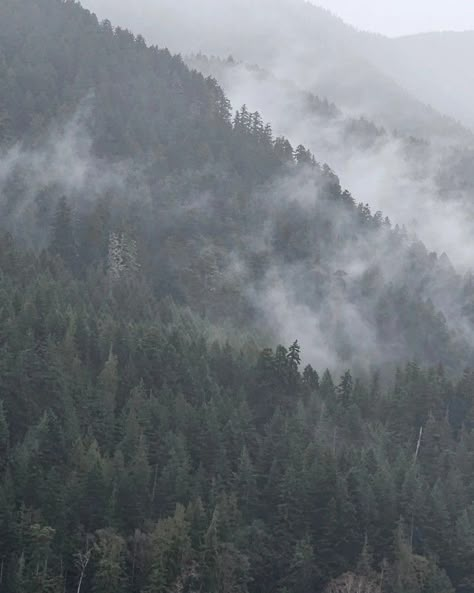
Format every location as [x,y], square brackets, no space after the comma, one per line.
[295,40]
[156,252]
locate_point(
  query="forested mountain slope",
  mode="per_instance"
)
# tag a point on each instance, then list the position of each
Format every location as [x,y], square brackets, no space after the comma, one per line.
[301,42]
[138,456]
[151,245]
[425,185]
[224,217]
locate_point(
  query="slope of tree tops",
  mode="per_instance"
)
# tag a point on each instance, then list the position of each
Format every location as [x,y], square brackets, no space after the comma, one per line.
[139,455]
[200,189]
[220,259]
[56,58]
[452,161]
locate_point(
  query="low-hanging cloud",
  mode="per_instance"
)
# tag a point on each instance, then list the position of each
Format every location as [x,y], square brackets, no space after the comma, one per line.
[319,298]
[375,165]
[62,162]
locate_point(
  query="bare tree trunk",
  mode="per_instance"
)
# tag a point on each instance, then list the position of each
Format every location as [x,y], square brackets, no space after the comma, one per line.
[418,445]
[417,452]
[82,560]
[79,584]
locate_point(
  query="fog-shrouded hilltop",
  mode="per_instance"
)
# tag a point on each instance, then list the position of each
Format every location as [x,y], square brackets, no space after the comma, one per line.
[157,246]
[427,186]
[361,72]
[236,223]
[434,67]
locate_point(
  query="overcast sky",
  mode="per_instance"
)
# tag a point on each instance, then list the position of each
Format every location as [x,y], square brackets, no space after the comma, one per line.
[402,17]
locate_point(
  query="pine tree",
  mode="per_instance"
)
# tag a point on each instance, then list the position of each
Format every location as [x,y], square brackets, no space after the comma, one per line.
[344,389]
[304,575]
[294,358]
[109,575]
[327,388]
[106,405]
[283,150]
[62,242]
[246,484]
[172,553]
[303,156]
[311,378]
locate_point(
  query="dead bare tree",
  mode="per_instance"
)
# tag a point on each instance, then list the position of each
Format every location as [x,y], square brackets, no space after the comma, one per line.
[418,445]
[82,560]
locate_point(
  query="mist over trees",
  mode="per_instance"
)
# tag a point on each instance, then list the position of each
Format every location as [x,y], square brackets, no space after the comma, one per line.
[426,185]
[156,247]
[393,80]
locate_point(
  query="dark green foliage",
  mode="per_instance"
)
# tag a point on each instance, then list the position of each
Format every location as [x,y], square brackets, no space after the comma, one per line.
[137,452]
[156,176]
[249,448]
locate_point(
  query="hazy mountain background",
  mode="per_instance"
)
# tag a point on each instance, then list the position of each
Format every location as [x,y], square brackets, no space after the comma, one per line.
[403,83]
[433,67]
[398,86]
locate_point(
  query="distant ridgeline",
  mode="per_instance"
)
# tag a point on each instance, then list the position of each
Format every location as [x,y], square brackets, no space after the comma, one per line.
[449,163]
[147,443]
[216,207]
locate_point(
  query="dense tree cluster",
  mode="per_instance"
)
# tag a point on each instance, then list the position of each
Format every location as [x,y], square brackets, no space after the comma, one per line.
[138,454]
[447,166]
[142,452]
[207,204]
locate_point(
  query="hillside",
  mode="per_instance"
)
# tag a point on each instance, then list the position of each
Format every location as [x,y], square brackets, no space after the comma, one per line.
[156,249]
[295,41]
[426,186]
[226,218]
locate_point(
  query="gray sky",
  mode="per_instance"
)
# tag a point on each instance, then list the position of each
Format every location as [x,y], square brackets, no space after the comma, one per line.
[401,17]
